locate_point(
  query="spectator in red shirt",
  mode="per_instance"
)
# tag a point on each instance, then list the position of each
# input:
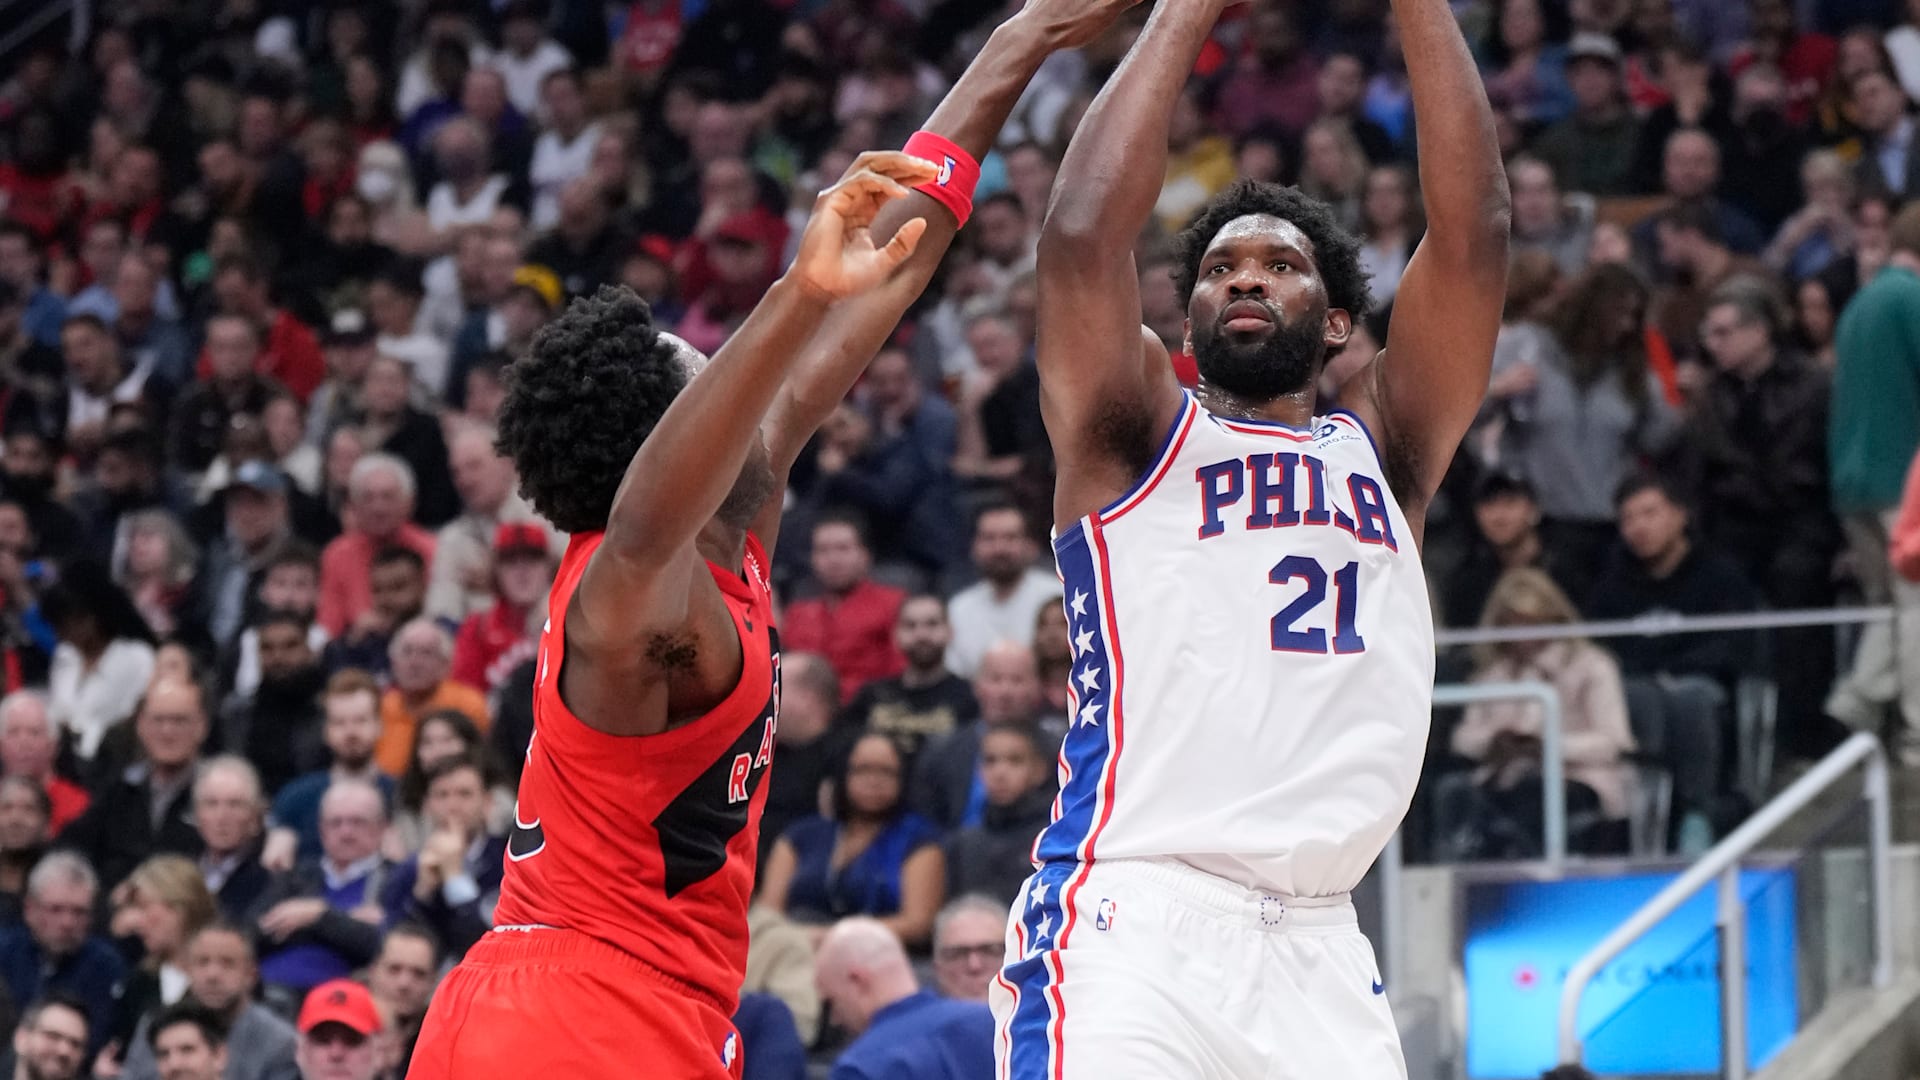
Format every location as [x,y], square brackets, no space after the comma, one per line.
[494,642]
[1806,58]
[851,621]
[36,187]
[1276,82]
[290,353]
[378,513]
[27,748]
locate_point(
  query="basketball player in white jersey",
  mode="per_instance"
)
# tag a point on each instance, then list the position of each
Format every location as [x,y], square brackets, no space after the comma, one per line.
[1252,641]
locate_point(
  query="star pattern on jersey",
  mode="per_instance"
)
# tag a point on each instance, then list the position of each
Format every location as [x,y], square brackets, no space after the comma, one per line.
[1083,643]
[1089,677]
[1038,896]
[1079,605]
[1089,714]
[1041,931]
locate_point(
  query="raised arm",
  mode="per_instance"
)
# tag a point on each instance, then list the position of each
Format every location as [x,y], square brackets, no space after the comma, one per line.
[971,116]
[1106,390]
[1427,383]
[639,589]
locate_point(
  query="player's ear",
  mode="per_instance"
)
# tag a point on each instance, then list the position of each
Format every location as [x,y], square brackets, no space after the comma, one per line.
[1339,327]
[1186,336]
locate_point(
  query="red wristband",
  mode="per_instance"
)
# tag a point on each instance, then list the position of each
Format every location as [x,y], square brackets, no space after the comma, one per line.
[953,188]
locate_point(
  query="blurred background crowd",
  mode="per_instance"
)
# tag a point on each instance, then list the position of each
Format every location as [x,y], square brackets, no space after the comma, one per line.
[269,599]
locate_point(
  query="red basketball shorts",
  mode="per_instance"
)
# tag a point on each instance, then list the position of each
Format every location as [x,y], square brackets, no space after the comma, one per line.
[556,1003]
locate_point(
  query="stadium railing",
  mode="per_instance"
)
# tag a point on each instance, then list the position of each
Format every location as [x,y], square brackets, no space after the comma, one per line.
[1721,865]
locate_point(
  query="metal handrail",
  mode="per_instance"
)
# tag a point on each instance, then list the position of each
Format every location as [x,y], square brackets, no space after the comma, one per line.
[1657,624]
[1722,864]
[1553,767]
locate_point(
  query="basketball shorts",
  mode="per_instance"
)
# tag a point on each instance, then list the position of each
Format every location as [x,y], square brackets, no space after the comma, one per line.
[1136,969]
[551,1003]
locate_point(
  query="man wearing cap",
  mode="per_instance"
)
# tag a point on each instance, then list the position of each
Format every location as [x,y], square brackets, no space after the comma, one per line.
[1592,150]
[349,347]
[491,643]
[338,1025]
[461,581]
[258,529]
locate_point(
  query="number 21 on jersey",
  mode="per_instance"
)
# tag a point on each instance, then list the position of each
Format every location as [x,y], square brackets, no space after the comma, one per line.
[1288,633]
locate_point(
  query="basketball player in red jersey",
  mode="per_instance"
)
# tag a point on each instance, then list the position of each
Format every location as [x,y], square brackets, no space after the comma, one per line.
[620,939]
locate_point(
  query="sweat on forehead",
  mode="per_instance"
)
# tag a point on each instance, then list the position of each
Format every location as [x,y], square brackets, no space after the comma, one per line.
[1262,228]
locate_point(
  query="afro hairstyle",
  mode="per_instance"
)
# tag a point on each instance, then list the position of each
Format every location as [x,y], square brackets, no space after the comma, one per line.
[1336,252]
[580,403]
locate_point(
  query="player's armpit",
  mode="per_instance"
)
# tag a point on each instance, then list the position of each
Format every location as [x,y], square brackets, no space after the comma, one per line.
[1107,390]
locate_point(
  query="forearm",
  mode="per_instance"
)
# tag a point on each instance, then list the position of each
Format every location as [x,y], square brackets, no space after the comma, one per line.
[1114,167]
[690,461]
[1463,182]
[970,116]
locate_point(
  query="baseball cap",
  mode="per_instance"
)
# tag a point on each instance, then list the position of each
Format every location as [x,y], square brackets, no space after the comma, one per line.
[518,536]
[259,476]
[745,227]
[1588,45]
[349,326]
[541,282]
[341,1001]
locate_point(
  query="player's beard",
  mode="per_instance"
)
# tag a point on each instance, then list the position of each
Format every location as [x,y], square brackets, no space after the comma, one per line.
[1284,361]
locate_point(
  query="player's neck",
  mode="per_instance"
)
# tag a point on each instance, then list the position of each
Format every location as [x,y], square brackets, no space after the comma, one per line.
[1295,408]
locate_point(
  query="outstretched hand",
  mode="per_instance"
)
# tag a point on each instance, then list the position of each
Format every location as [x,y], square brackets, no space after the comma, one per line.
[837,256]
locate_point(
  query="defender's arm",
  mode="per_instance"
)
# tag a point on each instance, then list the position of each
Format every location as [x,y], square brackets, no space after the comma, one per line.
[640,581]
[971,116]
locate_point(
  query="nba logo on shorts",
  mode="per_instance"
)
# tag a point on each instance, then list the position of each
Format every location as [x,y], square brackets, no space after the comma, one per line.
[728,1049]
[946,171]
[1103,915]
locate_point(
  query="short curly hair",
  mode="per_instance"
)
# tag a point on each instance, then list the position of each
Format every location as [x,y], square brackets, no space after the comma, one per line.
[582,400]
[1336,252]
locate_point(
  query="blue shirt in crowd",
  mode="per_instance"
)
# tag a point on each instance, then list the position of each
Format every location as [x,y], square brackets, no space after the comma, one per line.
[868,885]
[90,973]
[923,1037]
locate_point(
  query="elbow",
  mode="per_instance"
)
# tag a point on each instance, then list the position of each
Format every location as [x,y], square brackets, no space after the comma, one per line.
[1073,231]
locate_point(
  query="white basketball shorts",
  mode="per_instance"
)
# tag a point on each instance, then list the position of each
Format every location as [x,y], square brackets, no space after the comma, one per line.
[1147,969]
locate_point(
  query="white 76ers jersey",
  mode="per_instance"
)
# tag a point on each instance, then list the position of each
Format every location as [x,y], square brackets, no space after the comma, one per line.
[1253,659]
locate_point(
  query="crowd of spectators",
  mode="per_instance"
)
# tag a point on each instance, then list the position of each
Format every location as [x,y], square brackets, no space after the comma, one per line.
[269,599]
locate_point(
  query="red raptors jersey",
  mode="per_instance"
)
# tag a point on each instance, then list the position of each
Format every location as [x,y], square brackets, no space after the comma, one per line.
[647,842]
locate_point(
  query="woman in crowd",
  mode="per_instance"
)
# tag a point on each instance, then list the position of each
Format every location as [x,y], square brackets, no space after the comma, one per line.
[1390,226]
[1333,169]
[871,857]
[25,815]
[105,657]
[1524,58]
[1582,411]
[157,569]
[1815,315]
[1822,230]
[441,736]
[163,903]
[1500,812]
